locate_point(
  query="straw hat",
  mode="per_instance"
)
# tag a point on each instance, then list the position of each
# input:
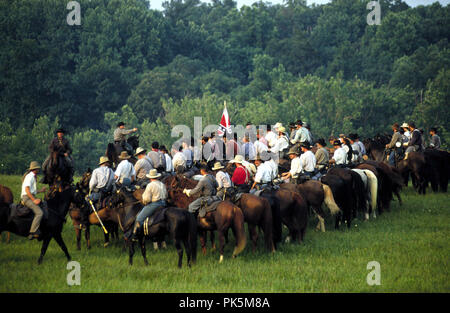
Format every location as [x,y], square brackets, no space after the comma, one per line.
[34,166]
[153,174]
[282,129]
[237,159]
[140,150]
[293,150]
[277,125]
[103,159]
[404,125]
[217,166]
[124,155]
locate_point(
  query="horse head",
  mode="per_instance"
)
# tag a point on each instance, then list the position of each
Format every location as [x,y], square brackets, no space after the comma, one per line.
[133,141]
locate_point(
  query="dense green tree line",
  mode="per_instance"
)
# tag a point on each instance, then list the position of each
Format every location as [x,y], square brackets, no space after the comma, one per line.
[155,70]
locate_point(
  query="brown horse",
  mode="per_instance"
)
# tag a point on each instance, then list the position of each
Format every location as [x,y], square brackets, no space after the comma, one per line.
[257,212]
[6,199]
[227,215]
[81,190]
[315,194]
[293,210]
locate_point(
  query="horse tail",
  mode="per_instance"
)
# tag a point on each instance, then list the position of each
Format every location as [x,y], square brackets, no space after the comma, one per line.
[192,236]
[372,182]
[329,200]
[239,230]
[268,227]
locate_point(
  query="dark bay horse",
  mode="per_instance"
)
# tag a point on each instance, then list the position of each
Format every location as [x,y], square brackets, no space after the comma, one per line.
[57,171]
[315,194]
[6,199]
[178,223]
[227,215]
[51,226]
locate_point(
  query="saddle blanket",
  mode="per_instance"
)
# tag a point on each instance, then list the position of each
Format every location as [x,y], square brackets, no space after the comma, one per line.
[210,205]
[157,218]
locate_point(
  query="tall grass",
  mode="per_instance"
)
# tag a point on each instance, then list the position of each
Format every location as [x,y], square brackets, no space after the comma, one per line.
[411,243]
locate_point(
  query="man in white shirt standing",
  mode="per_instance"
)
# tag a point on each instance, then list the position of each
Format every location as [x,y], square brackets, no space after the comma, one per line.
[29,199]
[179,161]
[125,173]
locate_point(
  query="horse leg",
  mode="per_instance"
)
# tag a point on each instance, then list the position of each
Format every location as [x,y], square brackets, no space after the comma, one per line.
[78,235]
[45,243]
[179,251]
[143,250]
[202,235]
[87,235]
[253,235]
[188,250]
[213,240]
[131,252]
[221,244]
[106,240]
[61,243]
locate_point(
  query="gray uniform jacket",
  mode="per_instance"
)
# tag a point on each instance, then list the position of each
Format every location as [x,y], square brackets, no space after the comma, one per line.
[207,186]
[396,137]
[120,134]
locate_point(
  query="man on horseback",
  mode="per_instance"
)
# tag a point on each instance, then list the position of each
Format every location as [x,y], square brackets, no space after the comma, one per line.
[415,143]
[143,165]
[125,173]
[435,142]
[120,134]
[29,199]
[295,166]
[241,175]
[322,156]
[396,137]
[60,145]
[100,184]
[223,180]
[154,196]
[263,176]
[206,187]
[340,155]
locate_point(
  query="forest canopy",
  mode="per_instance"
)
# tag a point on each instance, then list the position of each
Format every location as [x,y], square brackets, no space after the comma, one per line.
[270,63]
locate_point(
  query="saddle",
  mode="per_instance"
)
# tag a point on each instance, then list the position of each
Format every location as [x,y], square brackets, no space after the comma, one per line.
[18,210]
[209,205]
[156,218]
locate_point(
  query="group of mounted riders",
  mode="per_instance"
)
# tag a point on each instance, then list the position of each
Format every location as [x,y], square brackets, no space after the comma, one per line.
[254,163]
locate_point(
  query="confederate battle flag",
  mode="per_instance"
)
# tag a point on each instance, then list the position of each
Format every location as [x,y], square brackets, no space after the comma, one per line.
[224,122]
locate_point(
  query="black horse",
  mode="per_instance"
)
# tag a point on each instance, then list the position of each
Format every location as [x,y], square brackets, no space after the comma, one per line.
[113,150]
[178,223]
[57,171]
[51,226]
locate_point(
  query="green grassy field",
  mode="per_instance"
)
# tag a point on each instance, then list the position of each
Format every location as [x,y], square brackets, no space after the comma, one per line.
[411,243]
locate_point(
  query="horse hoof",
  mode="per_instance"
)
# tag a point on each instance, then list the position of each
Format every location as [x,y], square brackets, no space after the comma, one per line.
[39,261]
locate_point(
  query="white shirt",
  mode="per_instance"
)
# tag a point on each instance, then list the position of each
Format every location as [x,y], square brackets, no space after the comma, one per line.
[308,161]
[169,165]
[29,181]
[263,173]
[280,144]
[260,147]
[271,138]
[100,177]
[274,167]
[223,180]
[340,156]
[125,170]
[296,167]
[179,159]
